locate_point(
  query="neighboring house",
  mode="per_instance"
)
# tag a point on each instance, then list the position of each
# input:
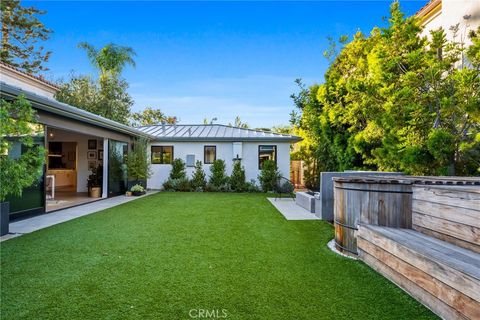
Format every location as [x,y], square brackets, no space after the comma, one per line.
[448,13]
[75,140]
[209,142]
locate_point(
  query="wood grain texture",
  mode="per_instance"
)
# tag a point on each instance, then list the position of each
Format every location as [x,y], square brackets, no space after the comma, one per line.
[455,241]
[455,299]
[456,196]
[444,211]
[436,305]
[454,229]
[456,273]
[383,204]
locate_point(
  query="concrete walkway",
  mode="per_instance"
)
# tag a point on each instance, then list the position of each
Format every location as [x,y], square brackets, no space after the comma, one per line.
[18,228]
[288,208]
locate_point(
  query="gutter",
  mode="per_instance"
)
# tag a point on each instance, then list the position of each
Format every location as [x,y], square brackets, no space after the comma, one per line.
[69,111]
[226,139]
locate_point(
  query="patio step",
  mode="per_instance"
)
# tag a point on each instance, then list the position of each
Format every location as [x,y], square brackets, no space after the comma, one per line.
[443,276]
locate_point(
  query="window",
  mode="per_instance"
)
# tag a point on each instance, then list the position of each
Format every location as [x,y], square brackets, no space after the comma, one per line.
[209,154]
[266,153]
[162,154]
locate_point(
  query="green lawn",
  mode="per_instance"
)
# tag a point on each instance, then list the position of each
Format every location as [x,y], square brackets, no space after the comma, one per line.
[161,256]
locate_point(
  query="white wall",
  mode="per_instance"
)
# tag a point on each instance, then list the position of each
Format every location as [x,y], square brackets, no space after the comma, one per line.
[452,12]
[26,82]
[224,152]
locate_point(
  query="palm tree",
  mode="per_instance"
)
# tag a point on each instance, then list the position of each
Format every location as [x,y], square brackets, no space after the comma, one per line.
[109,60]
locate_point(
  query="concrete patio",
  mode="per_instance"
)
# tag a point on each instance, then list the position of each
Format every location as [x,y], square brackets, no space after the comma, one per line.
[290,210]
[32,224]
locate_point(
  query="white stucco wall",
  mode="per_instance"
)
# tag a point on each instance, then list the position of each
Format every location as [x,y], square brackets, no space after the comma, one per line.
[25,82]
[452,12]
[224,152]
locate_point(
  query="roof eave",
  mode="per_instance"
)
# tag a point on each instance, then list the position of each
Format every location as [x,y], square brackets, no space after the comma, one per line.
[70,112]
[227,139]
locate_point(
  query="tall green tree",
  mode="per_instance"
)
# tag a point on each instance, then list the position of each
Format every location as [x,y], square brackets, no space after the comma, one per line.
[110,100]
[395,100]
[199,180]
[150,116]
[21,33]
[239,124]
[109,60]
[138,162]
[17,127]
[108,97]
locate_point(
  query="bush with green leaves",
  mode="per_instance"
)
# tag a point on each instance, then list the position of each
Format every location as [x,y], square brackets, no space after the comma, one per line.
[137,188]
[269,176]
[18,127]
[178,169]
[218,177]
[198,181]
[237,179]
[286,187]
[138,163]
[180,184]
[252,186]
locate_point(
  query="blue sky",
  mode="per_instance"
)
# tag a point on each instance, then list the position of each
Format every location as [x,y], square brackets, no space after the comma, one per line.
[199,60]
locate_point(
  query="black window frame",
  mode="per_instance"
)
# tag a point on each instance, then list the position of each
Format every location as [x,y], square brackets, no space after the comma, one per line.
[267,145]
[205,154]
[161,151]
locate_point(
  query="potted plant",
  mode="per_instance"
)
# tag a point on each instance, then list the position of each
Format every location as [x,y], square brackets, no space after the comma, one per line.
[137,190]
[94,182]
[17,129]
[138,163]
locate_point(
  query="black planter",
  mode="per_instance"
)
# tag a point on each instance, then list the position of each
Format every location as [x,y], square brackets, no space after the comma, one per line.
[131,183]
[138,193]
[4,217]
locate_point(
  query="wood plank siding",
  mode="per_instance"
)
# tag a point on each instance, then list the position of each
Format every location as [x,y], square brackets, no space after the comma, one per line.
[444,277]
[448,213]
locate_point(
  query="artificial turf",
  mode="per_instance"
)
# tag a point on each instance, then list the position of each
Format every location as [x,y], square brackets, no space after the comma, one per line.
[162,256]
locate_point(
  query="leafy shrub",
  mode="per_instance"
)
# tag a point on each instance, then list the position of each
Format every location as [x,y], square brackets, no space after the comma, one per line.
[237,180]
[178,169]
[441,144]
[181,184]
[198,182]
[269,176]
[286,187]
[218,176]
[221,188]
[251,186]
[168,185]
[138,163]
[184,185]
[137,188]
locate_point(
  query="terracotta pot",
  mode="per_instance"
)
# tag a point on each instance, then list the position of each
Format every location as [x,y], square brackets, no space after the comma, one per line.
[128,194]
[95,192]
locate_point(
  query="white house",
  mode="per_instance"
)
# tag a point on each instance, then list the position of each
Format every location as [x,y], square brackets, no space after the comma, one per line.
[209,142]
[447,13]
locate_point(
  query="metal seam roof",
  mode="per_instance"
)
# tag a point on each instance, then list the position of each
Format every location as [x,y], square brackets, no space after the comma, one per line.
[212,132]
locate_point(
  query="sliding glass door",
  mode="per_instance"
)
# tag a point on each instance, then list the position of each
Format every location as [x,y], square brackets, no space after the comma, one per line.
[117,169]
[32,200]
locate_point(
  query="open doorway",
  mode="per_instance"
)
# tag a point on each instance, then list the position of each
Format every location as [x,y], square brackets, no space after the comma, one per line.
[71,160]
